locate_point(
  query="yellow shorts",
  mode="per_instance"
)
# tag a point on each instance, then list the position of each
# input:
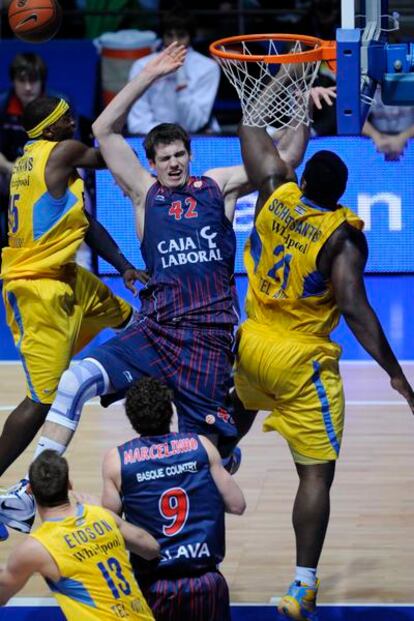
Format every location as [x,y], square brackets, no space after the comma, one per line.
[297,379]
[51,320]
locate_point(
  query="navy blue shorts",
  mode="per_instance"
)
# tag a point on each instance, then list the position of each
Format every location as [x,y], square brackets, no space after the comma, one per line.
[195,363]
[201,598]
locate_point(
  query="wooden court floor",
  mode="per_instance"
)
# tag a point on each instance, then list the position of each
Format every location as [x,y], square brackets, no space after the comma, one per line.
[369,550]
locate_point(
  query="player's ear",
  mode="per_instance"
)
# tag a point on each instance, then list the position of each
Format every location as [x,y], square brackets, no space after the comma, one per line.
[70,486]
[47,134]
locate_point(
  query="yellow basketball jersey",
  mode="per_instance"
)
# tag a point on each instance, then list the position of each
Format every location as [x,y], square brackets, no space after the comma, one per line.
[97,583]
[286,291]
[44,232]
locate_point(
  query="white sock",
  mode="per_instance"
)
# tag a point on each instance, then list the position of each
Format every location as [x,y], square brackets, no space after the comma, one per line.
[46,443]
[306,575]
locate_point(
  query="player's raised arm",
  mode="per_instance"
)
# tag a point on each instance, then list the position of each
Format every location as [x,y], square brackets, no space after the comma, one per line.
[269,165]
[265,168]
[133,178]
[231,493]
[350,254]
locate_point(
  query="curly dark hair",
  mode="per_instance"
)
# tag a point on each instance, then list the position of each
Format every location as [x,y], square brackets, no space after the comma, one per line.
[165,133]
[148,406]
[49,479]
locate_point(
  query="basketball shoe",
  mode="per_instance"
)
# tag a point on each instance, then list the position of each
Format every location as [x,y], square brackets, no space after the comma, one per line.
[17,507]
[232,463]
[299,603]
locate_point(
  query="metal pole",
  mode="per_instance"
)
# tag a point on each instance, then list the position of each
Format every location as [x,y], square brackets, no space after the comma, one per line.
[348,13]
[240,17]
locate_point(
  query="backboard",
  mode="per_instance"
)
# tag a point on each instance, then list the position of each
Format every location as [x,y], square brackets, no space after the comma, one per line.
[365,58]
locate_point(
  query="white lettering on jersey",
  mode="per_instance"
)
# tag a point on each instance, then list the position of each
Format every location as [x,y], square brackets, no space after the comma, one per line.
[190,550]
[185,250]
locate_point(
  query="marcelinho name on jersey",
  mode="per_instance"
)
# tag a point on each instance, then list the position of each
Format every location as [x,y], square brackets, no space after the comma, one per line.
[160,451]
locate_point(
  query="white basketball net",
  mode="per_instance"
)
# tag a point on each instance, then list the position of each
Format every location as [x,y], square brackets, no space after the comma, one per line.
[272,94]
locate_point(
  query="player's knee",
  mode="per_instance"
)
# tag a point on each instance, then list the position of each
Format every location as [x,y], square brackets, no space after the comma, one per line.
[78,384]
[32,412]
[69,383]
[317,474]
[82,380]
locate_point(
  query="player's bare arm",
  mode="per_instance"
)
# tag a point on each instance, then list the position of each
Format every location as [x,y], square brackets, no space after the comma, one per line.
[111,475]
[269,166]
[26,559]
[292,142]
[265,168]
[231,493]
[64,159]
[233,183]
[138,540]
[349,252]
[129,173]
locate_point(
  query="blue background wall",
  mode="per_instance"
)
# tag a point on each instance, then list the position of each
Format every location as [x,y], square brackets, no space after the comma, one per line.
[382,193]
[387,185]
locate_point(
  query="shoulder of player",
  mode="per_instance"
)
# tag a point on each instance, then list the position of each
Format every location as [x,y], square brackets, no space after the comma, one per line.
[345,236]
[30,554]
[211,450]
[111,460]
[219,176]
[68,149]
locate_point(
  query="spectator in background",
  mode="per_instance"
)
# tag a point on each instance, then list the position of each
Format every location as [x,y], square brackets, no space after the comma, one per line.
[28,74]
[324,119]
[390,127]
[185,97]
[322,19]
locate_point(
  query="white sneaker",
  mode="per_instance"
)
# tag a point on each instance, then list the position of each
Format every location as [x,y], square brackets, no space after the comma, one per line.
[17,507]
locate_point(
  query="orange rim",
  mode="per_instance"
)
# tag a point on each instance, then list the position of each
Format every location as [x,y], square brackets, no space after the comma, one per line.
[323,50]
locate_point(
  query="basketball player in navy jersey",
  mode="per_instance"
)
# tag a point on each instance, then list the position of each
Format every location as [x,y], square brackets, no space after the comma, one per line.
[184,333]
[174,486]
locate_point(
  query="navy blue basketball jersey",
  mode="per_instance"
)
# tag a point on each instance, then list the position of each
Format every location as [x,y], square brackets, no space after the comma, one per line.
[189,248]
[167,489]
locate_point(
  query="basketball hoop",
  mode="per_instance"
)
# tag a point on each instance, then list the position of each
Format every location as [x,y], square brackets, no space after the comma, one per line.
[273,75]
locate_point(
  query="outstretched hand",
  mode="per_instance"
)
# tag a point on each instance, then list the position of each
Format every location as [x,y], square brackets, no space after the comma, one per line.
[167,61]
[131,275]
[320,95]
[401,385]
